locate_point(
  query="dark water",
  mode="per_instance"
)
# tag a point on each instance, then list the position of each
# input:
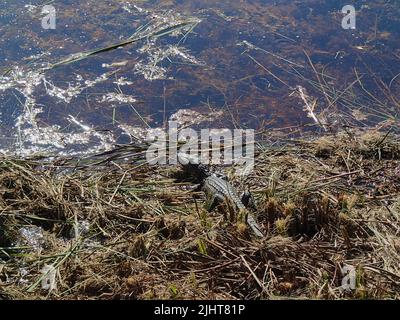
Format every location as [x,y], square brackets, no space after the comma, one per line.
[240,64]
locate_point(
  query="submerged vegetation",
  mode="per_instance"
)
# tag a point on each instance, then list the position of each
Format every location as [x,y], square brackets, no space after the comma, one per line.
[133,231]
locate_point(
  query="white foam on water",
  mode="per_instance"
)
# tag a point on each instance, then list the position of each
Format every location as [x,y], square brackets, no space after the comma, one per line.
[32,136]
[117,97]
[151,68]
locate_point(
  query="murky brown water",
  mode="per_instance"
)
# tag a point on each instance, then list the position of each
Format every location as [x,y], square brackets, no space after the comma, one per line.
[240,64]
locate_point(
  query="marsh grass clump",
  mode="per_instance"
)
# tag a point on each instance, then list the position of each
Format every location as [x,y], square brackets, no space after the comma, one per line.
[304,215]
[127,231]
[379,145]
[281,226]
[324,147]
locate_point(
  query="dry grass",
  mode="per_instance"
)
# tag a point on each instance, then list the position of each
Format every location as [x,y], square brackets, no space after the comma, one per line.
[324,203]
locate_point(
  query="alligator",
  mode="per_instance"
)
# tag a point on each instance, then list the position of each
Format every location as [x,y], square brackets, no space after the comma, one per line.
[219,190]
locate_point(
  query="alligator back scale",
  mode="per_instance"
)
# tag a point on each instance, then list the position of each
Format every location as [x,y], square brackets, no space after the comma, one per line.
[219,190]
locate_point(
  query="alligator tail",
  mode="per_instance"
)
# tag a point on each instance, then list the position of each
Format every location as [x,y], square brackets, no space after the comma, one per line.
[254,226]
